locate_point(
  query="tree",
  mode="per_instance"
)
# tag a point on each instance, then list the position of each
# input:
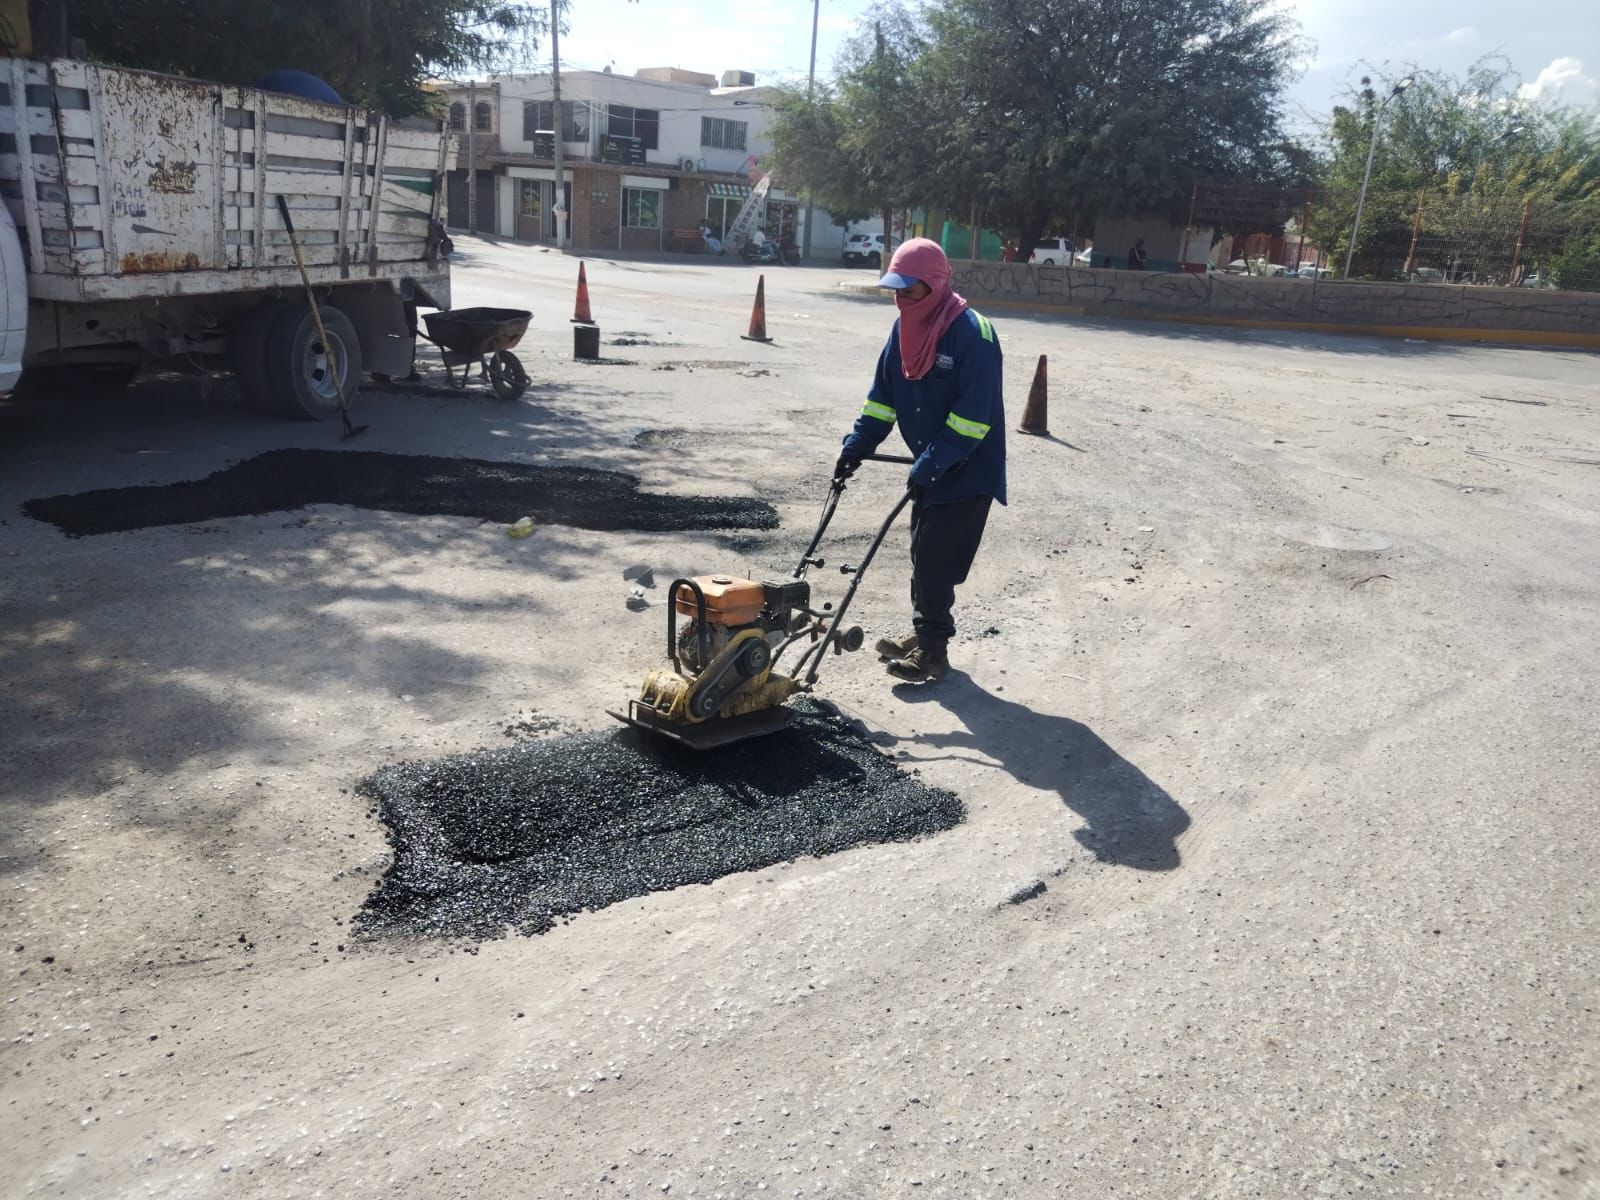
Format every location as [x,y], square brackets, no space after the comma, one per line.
[373,52]
[1066,109]
[860,145]
[1477,148]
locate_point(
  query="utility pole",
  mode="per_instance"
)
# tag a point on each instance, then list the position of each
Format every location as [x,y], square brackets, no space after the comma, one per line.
[811,88]
[472,157]
[555,108]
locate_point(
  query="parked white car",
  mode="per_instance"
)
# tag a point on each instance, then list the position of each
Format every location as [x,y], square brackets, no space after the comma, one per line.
[1053,250]
[868,248]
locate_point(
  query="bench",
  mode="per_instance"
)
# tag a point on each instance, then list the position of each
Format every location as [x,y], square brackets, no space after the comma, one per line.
[688,240]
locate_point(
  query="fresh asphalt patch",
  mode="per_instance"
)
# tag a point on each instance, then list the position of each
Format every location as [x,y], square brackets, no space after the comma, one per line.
[423,485]
[515,839]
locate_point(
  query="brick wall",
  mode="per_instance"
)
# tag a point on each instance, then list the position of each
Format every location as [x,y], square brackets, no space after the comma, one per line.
[1542,314]
[596,209]
[686,205]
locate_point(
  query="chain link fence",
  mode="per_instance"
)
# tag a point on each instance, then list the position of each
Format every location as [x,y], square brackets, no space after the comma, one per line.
[1427,236]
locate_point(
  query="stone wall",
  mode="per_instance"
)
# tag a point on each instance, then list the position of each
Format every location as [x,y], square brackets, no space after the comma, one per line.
[1420,310]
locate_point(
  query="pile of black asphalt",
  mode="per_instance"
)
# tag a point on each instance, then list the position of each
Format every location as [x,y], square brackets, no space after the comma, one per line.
[514,840]
[424,485]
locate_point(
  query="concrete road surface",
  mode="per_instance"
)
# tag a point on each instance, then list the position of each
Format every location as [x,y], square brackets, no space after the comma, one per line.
[1279,673]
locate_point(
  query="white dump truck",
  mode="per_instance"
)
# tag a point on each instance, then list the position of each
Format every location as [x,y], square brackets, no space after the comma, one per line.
[141,226]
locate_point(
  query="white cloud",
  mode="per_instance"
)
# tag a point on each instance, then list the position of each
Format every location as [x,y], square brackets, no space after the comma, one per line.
[1563,82]
[1461,37]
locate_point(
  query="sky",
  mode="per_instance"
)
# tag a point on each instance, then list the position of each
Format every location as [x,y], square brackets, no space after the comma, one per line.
[1553,44]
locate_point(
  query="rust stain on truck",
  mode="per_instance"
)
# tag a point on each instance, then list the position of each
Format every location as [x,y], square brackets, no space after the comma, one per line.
[158,261]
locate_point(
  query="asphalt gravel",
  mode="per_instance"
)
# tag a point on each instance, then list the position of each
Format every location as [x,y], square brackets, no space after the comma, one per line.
[515,839]
[424,485]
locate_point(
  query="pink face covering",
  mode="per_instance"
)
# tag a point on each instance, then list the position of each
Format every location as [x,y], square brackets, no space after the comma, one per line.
[923,322]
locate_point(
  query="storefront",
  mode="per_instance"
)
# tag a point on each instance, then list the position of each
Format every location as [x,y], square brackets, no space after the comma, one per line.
[533,212]
[723,202]
[783,216]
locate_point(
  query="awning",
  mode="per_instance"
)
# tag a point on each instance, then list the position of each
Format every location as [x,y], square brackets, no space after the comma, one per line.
[730,191]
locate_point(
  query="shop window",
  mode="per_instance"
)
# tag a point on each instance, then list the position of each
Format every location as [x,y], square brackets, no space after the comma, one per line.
[721,212]
[531,198]
[641,208]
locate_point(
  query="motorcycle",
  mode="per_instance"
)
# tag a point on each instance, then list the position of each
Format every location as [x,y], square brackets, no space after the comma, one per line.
[770,252]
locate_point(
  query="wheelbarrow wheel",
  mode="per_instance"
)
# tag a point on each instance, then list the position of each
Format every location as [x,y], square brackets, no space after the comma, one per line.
[506,375]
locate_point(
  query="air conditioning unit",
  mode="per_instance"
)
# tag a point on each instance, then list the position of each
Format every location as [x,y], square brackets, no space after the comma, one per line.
[687,166]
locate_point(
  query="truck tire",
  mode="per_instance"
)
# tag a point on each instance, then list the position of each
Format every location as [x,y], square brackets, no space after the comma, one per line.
[300,370]
[248,348]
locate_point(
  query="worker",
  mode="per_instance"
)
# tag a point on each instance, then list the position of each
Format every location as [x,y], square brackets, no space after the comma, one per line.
[939,378]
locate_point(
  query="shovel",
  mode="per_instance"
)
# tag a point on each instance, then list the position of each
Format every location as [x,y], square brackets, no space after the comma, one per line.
[350,430]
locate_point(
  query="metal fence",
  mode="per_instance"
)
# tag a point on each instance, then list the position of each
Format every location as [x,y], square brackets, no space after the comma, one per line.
[1428,236]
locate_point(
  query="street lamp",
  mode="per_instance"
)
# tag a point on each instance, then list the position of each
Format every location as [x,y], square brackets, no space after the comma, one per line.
[1361,200]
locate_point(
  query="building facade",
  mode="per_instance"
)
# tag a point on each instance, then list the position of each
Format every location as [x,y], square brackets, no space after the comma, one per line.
[644,157]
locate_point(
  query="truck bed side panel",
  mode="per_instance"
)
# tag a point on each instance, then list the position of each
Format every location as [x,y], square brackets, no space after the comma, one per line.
[126,184]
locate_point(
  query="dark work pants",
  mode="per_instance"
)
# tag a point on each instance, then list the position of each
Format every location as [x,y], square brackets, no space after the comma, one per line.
[944,541]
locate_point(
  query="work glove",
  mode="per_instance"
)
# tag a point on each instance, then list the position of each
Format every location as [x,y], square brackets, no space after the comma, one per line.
[847,466]
[923,472]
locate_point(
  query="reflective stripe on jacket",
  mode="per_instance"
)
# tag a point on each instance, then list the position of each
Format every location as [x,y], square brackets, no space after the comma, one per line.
[953,418]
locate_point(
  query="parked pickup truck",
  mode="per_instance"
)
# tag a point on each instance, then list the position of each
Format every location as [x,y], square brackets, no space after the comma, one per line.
[141,226]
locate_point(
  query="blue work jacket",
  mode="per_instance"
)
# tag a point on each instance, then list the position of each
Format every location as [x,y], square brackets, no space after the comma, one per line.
[953,418]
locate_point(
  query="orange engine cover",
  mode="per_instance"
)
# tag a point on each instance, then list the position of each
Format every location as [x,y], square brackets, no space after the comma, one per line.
[729,601]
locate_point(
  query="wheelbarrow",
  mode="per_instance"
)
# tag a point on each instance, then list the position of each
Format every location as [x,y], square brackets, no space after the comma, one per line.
[484,336]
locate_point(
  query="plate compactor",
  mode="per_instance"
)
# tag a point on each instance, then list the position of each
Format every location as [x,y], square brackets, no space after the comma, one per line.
[726,635]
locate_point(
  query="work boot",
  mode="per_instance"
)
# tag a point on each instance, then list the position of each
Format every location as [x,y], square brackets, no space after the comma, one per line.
[921,666]
[893,648]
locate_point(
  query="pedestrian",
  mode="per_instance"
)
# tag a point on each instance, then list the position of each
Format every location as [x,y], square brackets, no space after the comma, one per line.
[713,243]
[1137,256]
[939,378]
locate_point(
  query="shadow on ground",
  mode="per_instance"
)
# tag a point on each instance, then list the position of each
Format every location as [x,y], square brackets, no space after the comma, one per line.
[1130,820]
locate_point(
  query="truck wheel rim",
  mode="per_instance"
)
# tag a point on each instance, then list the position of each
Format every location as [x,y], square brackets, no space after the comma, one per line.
[318,367]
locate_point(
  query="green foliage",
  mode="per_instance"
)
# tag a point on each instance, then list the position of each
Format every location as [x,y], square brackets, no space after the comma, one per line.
[373,52]
[1475,146]
[856,145]
[1041,111]
[1064,109]
[1577,266]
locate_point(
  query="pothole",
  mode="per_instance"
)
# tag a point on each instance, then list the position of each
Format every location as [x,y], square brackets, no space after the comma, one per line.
[516,839]
[422,485]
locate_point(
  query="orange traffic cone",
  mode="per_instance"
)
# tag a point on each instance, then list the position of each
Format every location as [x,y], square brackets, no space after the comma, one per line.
[1035,418]
[581,314]
[758,314]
